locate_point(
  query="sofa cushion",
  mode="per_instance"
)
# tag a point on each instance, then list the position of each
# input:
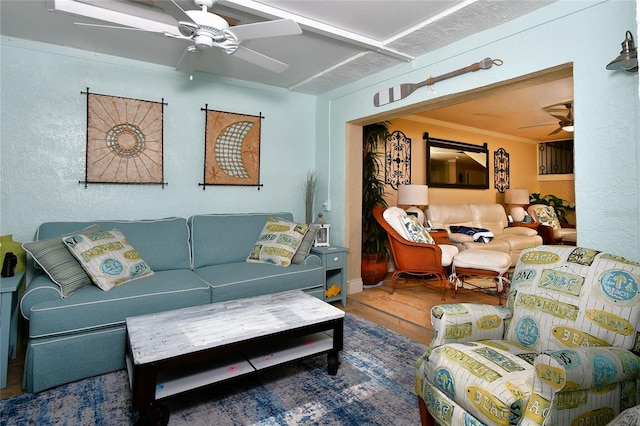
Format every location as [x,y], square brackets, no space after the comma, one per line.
[92,309]
[60,265]
[241,279]
[107,257]
[224,238]
[278,242]
[162,243]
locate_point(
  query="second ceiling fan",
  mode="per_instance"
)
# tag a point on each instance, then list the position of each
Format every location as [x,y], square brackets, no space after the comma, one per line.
[566,120]
[563,112]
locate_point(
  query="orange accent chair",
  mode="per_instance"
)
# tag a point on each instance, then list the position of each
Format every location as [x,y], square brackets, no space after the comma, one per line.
[412,258]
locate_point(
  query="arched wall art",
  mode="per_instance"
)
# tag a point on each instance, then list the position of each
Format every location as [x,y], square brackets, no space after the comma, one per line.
[232,149]
[124,140]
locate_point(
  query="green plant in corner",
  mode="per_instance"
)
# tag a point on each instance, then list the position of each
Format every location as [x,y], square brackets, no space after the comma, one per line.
[374,237]
[560,206]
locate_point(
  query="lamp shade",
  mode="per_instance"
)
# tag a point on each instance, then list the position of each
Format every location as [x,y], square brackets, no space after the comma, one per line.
[413,195]
[516,196]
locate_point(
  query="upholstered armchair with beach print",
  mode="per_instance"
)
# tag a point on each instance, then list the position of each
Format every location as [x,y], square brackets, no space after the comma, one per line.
[562,352]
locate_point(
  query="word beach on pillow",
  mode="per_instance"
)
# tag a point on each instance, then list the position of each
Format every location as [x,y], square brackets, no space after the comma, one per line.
[107,257]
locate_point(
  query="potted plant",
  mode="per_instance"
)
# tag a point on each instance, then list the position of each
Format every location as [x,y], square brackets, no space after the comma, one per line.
[560,206]
[374,238]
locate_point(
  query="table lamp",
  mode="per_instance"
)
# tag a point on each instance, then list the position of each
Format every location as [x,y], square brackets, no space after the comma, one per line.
[517,198]
[415,196]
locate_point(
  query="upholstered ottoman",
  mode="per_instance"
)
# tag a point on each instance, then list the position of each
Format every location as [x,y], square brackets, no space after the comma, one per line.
[475,263]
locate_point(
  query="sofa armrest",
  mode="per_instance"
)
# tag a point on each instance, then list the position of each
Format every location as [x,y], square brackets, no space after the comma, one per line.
[454,237]
[583,368]
[519,230]
[40,289]
[313,260]
[465,322]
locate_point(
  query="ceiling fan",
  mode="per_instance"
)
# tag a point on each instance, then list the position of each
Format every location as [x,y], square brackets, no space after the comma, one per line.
[207,30]
[565,122]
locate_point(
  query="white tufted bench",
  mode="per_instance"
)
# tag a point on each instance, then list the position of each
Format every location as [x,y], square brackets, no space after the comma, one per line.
[477,263]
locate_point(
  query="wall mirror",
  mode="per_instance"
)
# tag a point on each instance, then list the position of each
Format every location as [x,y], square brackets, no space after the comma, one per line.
[452,164]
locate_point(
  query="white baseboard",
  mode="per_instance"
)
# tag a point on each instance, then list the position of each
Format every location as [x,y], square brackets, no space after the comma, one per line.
[354,286]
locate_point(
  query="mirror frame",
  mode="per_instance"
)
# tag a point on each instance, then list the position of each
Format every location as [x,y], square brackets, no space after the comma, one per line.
[456,146]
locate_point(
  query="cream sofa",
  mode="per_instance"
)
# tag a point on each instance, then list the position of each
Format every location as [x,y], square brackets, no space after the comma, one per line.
[488,216]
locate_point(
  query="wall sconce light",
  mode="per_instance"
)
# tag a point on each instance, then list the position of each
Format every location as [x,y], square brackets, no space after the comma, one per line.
[628,58]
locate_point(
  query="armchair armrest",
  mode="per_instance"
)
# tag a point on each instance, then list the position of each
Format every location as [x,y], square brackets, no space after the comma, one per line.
[583,368]
[466,322]
[546,232]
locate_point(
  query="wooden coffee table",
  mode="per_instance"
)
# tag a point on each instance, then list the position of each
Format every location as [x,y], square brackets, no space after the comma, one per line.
[175,351]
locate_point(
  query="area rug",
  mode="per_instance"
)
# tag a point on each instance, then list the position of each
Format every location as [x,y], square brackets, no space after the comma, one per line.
[374,386]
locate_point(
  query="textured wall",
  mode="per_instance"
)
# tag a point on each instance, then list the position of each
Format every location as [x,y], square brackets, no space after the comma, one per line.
[43,137]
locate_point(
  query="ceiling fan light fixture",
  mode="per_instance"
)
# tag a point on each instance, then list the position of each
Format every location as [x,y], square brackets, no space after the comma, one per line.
[628,58]
[203,42]
[567,126]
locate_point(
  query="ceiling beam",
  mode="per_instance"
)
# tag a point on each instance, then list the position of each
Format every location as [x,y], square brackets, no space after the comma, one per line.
[317,27]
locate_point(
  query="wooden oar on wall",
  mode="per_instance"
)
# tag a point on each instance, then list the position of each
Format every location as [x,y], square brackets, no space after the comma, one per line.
[401,91]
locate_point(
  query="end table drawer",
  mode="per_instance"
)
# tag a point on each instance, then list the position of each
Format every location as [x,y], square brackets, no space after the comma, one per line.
[336,260]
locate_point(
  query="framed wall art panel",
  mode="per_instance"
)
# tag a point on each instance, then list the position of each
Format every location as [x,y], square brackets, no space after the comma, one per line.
[124,140]
[232,149]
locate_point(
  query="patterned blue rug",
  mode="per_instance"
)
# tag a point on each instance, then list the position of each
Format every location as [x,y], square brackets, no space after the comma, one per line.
[374,386]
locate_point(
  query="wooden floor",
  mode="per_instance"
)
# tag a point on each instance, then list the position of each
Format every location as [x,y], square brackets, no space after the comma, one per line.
[407,311]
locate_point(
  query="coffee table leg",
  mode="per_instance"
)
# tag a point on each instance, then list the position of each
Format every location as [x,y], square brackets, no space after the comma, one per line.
[334,362]
[333,359]
[154,415]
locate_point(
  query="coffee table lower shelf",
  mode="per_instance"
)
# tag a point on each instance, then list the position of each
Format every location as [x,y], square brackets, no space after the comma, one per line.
[173,382]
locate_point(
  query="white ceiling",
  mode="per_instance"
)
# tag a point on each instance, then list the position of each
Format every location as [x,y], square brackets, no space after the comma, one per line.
[341,42]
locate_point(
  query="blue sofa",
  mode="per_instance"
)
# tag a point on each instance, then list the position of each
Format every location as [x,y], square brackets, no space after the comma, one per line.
[195,261]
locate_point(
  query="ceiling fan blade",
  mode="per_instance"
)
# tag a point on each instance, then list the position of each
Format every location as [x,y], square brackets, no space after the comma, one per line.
[555,131]
[260,59]
[118,27]
[560,117]
[189,60]
[186,25]
[537,125]
[281,27]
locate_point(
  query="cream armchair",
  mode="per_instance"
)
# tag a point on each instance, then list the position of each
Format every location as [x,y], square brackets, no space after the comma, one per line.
[550,228]
[559,354]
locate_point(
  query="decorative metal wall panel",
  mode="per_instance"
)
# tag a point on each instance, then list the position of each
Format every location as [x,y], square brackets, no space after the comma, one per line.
[397,159]
[232,149]
[501,170]
[124,140]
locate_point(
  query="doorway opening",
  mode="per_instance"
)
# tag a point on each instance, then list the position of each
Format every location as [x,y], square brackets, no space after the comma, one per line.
[432,108]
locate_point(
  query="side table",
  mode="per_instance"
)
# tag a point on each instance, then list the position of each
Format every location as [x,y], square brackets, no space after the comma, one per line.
[9,293]
[334,260]
[440,236]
